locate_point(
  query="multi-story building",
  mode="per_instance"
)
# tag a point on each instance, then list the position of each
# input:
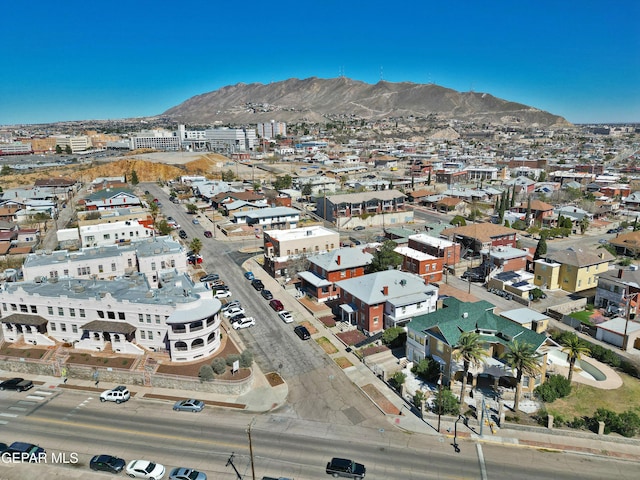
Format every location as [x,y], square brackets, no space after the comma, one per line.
[78,143]
[422,264]
[150,256]
[572,270]
[385,299]
[618,288]
[121,315]
[156,140]
[270,217]
[16,148]
[231,140]
[282,247]
[116,232]
[269,130]
[365,208]
[438,247]
[326,269]
[481,236]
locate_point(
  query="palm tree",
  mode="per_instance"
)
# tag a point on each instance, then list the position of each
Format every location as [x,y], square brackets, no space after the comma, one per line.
[522,357]
[574,348]
[471,351]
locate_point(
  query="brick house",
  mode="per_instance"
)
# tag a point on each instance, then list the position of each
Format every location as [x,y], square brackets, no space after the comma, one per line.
[481,236]
[438,247]
[422,264]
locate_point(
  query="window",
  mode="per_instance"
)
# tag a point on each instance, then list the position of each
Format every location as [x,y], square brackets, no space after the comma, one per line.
[158,319]
[100,269]
[111,315]
[101,313]
[82,314]
[148,318]
[343,274]
[23,308]
[129,262]
[140,318]
[120,315]
[74,328]
[143,335]
[50,310]
[106,236]
[113,267]
[4,307]
[153,266]
[53,326]
[60,311]
[72,312]
[163,264]
[34,309]
[66,272]
[173,263]
[150,335]
[53,274]
[63,327]
[375,320]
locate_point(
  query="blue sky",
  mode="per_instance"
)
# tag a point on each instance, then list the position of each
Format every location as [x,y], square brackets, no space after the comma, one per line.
[79,60]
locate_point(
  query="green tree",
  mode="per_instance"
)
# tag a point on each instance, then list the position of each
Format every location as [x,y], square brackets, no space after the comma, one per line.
[191,208]
[219,365]
[583,224]
[506,223]
[469,349]
[522,357]
[543,176]
[541,248]
[134,178]
[228,176]
[246,359]
[58,149]
[527,217]
[427,369]
[574,348]
[206,373]
[283,182]
[6,170]
[429,179]
[512,203]
[67,150]
[446,403]
[399,378]
[385,257]
[195,245]
[154,211]
[163,227]
[458,220]
[306,190]
[394,337]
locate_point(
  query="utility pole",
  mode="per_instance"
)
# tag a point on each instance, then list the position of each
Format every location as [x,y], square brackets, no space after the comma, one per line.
[253,471]
[439,400]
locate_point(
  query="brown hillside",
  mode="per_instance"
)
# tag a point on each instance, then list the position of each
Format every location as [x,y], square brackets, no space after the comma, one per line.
[207,164]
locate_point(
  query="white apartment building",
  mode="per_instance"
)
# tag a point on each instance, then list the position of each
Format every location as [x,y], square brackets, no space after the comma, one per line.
[231,140]
[272,129]
[15,148]
[116,232]
[121,315]
[156,140]
[150,257]
[78,143]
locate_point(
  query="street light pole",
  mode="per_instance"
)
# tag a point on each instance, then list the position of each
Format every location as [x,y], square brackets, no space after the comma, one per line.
[439,400]
[253,471]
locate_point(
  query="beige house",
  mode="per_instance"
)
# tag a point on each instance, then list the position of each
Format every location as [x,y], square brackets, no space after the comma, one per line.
[572,270]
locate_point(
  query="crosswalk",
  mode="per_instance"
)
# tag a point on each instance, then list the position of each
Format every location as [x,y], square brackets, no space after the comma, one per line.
[24,406]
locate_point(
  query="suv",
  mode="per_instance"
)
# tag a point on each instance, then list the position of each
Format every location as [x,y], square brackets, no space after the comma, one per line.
[341,467]
[119,394]
[257,284]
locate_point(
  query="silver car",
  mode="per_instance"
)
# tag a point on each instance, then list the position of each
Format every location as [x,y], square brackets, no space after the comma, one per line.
[182,473]
[189,405]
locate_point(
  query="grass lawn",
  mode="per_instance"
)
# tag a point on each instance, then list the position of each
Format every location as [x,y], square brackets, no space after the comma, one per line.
[343,362]
[585,400]
[584,316]
[326,345]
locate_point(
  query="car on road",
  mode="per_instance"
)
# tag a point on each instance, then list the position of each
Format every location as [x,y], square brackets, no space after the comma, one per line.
[232,312]
[195,259]
[221,294]
[26,451]
[145,469]
[182,234]
[342,467]
[208,234]
[210,277]
[244,323]
[249,275]
[302,332]
[257,284]
[359,228]
[17,383]
[276,305]
[195,221]
[603,241]
[285,316]
[188,405]
[107,463]
[182,473]
[119,394]
[266,294]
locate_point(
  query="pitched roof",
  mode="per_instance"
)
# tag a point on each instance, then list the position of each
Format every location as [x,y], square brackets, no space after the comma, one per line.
[581,258]
[341,259]
[449,201]
[538,205]
[456,317]
[481,231]
[370,288]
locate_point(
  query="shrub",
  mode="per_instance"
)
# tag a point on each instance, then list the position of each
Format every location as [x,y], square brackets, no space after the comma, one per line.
[556,386]
[418,398]
[398,379]
[427,369]
[232,358]
[394,337]
[206,373]
[630,368]
[578,423]
[611,420]
[246,359]
[219,366]
[446,403]
[629,424]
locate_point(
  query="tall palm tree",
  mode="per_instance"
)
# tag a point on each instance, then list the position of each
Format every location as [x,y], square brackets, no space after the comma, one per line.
[470,350]
[574,348]
[522,357]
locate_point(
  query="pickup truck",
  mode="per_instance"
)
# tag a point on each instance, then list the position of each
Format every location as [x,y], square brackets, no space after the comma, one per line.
[342,467]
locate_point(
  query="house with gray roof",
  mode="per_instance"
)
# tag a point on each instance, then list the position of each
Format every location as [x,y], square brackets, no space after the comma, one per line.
[435,335]
[385,299]
[365,208]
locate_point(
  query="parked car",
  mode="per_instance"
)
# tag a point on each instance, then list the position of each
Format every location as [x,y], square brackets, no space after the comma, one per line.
[145,469]
[195,221]
[276,305]
[285,316]
[182,473]
[210,277]
[221,294]
[249,275]
[119,394]
[195,259]
[266,294]
[342,467]
[188,405]
[26,451]
[612,230]
[233,311]
[473,276]
[359,228]
[302,332]
[227,306]
[237,318]
[257,284]
[19,384]
[244,323]
[107,463]
[182,234]
[208,234]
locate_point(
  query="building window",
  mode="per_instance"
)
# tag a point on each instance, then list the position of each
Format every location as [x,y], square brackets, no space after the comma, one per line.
[143,335]
[150,335]
[63,327]
[101,313]
[120,315]
[153,266]
[129,262]
[111,315]
[60,311]
[113,267]
[34,309]
[23,308]
[100,269]
[82,314]
[53,326]
[140,318]
[158,319]
[148,318]
[106,236]
[72,312]
[74,328]
[66,272]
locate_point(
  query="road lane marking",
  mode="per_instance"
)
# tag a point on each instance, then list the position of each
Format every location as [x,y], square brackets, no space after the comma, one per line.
[483,466]
[10,415]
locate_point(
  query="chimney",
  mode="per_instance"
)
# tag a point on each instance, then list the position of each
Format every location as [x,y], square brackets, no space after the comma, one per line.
[338,260]
[385,290]
[620,272]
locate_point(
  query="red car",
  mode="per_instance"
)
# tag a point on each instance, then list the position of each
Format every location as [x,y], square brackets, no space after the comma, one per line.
[276,305]
[208,234]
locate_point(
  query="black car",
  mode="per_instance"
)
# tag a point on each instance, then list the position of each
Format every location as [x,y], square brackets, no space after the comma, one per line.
[26,451]
[266,294]
[19,384]
[257,284]
[473,276]
[107,463]
[182,234]
[302,332]
[342,467]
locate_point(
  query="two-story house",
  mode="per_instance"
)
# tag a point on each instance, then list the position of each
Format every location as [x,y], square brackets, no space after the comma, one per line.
[384,207]
[385,299]
[436,246]
[481,236]
[422,264]
[326,269]
[616,288]
[572,270]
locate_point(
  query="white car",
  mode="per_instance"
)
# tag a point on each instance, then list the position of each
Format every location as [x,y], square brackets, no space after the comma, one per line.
[145,469]
[230,305]
[285,316]
[233,311]
[244,323]
[119,394]
[221,294]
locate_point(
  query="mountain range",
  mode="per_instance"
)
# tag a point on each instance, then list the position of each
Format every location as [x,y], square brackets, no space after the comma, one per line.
[317,100]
